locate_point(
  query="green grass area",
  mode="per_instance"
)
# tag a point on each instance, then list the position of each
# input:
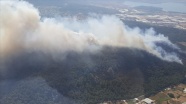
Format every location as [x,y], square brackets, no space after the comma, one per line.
[160,98]
[130,102]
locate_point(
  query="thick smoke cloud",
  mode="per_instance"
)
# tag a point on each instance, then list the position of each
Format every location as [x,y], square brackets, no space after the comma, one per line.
[22,29]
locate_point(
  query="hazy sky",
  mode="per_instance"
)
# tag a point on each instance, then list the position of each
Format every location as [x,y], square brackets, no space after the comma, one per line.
[149,1]
[156,1]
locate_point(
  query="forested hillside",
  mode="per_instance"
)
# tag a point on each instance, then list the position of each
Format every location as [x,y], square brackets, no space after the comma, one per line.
[111,74]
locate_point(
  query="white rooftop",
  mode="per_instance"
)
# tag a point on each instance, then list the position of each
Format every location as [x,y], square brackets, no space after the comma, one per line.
[147,100]
[184,90]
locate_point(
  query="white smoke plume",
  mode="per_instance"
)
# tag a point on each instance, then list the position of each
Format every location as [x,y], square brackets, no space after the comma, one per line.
[21,28]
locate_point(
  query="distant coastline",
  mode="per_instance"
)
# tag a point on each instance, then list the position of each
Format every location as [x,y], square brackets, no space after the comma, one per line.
[169,6]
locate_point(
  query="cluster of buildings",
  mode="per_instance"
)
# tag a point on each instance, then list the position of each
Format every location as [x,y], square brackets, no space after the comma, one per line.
[176,20]
[132,101]
[179,90]
[156,17]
